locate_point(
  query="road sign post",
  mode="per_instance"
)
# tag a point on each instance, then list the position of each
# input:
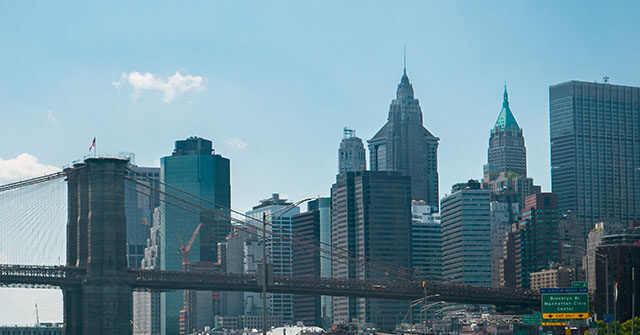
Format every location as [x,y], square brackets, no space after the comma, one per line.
[580,284]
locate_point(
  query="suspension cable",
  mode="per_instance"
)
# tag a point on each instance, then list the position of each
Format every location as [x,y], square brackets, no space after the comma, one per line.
[348,252]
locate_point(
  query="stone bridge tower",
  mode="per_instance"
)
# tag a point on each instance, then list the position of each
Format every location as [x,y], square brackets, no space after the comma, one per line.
[96,242]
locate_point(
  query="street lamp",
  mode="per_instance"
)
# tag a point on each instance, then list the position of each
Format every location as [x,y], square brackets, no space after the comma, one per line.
[284,210]
[606,271]
[424,316]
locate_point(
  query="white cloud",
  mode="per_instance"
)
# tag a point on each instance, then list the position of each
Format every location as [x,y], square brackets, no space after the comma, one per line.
[51,117]
[22,167]
[237,143]
[170,87]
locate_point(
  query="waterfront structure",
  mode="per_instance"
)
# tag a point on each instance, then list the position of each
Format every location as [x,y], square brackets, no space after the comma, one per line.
[466,235]
[279,213]
[146,305]
[43,328]
[621,253]
[558,276]
[370,217]
[404,144]
[193,167]
[507,152]
[426,240]
[537,244]
[351,155]
[595,151]
[140,202]
[242,322]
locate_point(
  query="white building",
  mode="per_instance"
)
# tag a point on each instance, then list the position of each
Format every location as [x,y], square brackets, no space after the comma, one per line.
[279,213]
[146,305]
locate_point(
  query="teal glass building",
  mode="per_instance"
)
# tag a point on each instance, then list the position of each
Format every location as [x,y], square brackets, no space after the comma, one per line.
[193,167]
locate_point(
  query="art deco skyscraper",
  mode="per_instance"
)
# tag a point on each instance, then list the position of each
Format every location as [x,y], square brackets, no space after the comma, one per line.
[595,151]
[506,143]
[404,144]
[351,155]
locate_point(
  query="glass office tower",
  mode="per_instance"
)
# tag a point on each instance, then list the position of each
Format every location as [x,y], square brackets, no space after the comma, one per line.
[193,167]
[595,151]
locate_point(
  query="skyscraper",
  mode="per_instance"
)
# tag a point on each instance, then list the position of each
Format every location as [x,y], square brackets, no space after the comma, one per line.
[193,167]
[595,151]
[537,242]
[466,235]
[314,227]
[279,213]
[404,144]
[351,155]
[146,305]
[506,144]
[504,211]
[139,207]
[371,219]
[426,240]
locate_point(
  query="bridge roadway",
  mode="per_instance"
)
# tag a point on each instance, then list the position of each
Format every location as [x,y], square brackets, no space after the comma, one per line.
[59,276]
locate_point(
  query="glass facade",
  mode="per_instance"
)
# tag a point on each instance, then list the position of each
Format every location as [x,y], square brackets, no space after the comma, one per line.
[371,218]
[466,236]
[595,151]
[196,169]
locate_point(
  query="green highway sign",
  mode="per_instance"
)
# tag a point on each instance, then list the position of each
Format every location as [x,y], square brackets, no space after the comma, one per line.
[531,319]
[580,284]
[565,306]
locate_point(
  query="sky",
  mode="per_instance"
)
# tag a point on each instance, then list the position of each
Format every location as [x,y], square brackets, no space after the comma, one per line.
[272,84]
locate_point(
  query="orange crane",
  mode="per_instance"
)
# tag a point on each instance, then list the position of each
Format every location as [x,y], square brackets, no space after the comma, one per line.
[184,250]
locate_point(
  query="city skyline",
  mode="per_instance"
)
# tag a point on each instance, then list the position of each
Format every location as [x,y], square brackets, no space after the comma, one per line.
[243,97]
[274,85]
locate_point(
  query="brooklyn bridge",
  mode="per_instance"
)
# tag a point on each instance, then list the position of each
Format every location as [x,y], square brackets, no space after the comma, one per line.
[97,283]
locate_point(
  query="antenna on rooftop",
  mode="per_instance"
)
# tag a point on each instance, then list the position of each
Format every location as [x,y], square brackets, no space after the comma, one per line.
[37,316]
[404,58]
[605,79]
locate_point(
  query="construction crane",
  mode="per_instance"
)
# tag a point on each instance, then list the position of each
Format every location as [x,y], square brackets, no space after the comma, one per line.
[184,250]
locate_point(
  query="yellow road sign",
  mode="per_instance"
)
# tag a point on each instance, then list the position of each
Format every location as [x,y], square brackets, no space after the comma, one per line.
[553,323]
[565,315]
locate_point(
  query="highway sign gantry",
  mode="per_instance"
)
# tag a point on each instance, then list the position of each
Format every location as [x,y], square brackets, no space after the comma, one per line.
[565,303]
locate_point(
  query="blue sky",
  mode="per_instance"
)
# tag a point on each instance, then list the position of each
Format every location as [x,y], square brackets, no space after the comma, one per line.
[273,83]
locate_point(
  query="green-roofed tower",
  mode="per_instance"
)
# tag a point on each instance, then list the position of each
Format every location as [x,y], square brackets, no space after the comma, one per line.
[505,118]
[507,152]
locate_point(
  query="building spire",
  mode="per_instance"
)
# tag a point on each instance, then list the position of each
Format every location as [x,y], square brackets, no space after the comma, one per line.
[505,101]
[404,55]
[505,118]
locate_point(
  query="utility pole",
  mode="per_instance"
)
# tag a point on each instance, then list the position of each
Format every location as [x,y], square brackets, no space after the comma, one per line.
[633,300]
[264,273]
[606,284]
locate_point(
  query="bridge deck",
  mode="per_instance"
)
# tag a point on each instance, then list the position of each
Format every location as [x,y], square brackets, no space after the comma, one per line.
[53,276]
